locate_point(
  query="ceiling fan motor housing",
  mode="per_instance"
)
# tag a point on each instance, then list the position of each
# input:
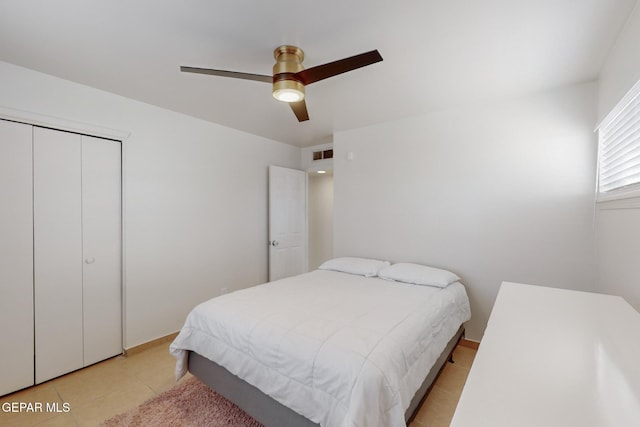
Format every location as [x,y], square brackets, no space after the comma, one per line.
[288,63]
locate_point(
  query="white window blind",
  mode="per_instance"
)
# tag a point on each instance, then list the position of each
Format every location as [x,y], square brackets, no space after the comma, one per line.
[619,145]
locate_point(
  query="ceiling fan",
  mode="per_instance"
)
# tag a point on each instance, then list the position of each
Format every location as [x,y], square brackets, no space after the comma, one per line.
[290,77]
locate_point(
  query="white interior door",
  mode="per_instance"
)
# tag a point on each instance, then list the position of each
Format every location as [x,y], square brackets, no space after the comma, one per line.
[101,236]
[57,252]
[287,222]
[16,257]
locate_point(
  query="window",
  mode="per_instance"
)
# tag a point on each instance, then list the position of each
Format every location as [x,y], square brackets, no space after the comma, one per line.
[619,149]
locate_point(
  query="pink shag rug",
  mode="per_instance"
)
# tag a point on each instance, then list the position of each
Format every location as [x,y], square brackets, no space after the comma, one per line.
[191,404]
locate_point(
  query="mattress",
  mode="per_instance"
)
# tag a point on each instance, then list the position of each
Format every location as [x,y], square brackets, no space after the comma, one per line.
[340,349]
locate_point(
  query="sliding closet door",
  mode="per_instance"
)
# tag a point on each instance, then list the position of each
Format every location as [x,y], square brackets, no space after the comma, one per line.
[57,252]
[101,225]
[16,257]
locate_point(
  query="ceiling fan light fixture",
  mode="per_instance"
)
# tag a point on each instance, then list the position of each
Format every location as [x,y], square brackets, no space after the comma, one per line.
[286,87]
[289,77]
[288,91]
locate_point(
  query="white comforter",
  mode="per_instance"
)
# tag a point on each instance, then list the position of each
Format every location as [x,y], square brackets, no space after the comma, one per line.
[340,349]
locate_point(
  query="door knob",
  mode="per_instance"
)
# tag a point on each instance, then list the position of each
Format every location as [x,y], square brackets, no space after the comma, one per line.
[90,260]
[273,243]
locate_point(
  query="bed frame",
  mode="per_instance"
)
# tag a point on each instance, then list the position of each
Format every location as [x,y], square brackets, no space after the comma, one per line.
[272,413]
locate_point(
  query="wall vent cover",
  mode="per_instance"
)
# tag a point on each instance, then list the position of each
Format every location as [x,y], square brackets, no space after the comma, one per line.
[323,154]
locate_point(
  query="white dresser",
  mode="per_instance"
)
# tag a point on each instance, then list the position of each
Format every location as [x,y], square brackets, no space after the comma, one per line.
[554,357]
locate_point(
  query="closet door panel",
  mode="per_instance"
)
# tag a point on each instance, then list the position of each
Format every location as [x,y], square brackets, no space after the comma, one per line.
[57,252]
[16,257]
[101,224]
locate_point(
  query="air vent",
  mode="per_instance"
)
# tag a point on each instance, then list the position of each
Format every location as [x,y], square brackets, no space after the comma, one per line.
[323,154]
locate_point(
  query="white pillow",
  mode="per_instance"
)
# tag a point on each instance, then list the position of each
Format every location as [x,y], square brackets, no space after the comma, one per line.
[361,266]
[418,274]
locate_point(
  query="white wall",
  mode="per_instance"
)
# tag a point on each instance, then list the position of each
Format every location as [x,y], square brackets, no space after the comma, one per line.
[493,193]
[621,70]
[195,197]
[320,221]
[618,223]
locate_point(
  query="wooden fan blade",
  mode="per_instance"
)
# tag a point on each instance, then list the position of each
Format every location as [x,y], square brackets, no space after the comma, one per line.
[224,73]
[300,110]
[321,72]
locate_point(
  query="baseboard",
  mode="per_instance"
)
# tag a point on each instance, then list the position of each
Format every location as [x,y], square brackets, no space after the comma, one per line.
[148,345]
[469,344]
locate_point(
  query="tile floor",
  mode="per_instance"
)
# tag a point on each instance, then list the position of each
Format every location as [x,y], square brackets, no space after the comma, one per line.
[108,388]
[440,404]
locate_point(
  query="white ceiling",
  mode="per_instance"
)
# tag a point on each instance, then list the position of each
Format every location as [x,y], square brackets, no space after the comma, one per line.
[436,53]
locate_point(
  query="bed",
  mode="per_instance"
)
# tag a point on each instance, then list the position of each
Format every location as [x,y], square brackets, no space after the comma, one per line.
[333,347]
